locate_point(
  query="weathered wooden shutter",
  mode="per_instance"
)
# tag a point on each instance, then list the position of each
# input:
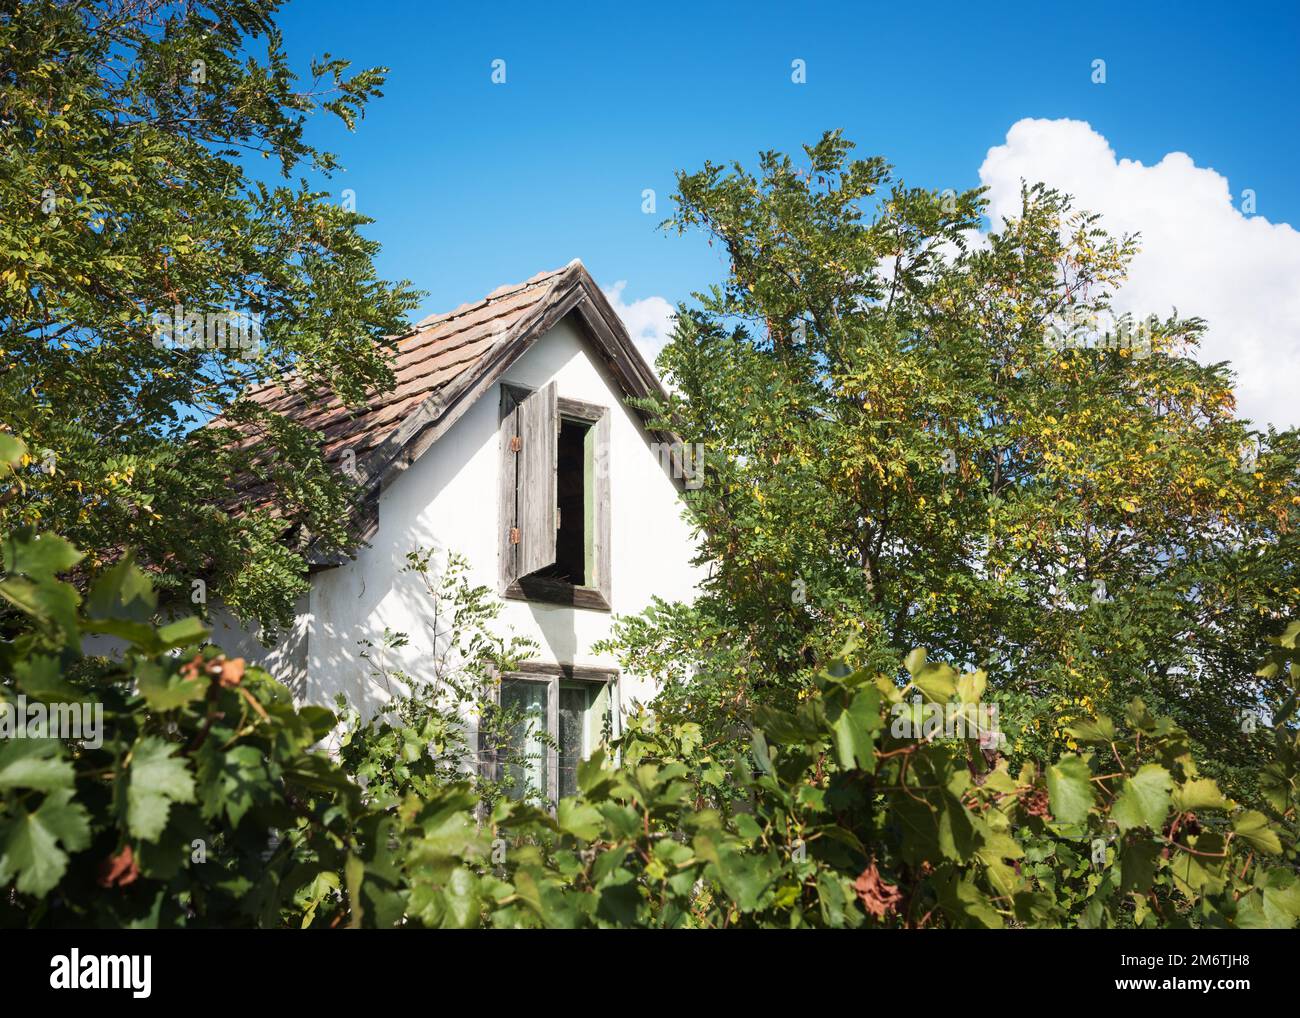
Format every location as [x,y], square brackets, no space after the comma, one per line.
[528,490]
[600,524]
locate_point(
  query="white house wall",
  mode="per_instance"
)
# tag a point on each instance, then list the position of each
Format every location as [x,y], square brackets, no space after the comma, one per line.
[448,500]
[286,660]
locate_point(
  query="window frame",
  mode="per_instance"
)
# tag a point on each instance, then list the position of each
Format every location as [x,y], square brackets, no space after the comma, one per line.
[596,593]
[556,676]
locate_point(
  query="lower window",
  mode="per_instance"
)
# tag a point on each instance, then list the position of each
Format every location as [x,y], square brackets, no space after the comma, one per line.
[557,723]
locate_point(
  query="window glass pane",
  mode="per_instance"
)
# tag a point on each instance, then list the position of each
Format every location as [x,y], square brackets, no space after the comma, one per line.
[575,702]
[525,755]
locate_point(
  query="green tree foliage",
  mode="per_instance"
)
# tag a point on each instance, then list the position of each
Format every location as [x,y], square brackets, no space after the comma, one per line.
[134,137]
[201,801]
[908,442]
[421,738]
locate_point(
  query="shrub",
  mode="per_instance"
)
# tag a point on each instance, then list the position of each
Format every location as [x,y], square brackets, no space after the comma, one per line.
[199,799]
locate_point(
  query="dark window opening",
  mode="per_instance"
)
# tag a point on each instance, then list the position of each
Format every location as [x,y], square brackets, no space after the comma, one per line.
[554,509]
[571,495]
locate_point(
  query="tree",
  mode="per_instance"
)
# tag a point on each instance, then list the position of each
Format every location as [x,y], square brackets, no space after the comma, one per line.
[919,437]
[150,276]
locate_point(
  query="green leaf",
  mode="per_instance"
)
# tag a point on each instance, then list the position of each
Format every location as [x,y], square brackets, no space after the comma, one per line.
[124,593]
[1199,793]
[164,691]
[139,635]
[231,781]
[354,872]
[183,632]
[956,833]
[1250,913]
[1144,799]
[966,905]
[593,779]
[971,686]
[1281,899]
[745,877]
[48,600]
[579,819]
[854,728]
[12,450]
[34,847]
[1098,729]
[937,682]
[1277,783]
[38,556]
[41,678]
[623,821]
[1138,860]
[34,763]
[325,883]
[156,778]
[690,735]
[1201,873]
[1253,828]
[1069,788]
[462,900]
[759,749]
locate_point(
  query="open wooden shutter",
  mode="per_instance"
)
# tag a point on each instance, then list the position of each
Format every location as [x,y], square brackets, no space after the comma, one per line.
[599,526]
[531,452]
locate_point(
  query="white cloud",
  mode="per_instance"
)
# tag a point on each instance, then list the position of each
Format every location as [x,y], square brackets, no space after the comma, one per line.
[1199,254]
[649,320]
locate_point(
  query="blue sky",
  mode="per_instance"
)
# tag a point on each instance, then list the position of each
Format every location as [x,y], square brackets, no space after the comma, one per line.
[474,184]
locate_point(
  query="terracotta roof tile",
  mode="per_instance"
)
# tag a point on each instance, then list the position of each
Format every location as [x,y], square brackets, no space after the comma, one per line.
[438,352]
[443,362]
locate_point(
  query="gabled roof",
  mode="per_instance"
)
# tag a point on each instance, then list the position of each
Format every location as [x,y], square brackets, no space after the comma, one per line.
[445,363]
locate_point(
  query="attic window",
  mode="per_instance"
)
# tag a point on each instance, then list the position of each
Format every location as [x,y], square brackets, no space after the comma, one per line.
[554,512]
[573,496]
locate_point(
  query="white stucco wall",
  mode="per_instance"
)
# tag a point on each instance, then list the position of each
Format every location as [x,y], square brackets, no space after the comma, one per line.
[286,660]
[448,500]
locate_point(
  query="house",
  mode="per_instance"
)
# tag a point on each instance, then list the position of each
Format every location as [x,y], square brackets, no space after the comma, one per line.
[508,440]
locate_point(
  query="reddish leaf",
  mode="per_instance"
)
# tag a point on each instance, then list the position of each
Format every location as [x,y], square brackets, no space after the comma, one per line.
[119,870]
[878,897]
